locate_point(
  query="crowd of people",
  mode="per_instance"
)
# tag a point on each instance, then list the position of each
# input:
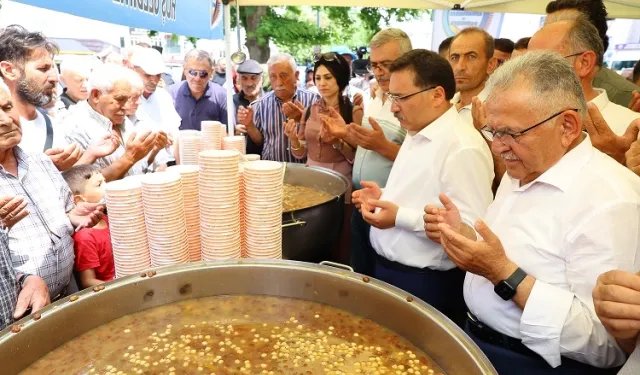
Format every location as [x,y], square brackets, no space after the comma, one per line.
[497,181]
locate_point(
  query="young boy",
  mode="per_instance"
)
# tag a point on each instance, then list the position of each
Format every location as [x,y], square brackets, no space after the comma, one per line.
[94,255]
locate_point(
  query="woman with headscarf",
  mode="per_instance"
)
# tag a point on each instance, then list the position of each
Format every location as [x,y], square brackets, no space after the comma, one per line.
[313,140]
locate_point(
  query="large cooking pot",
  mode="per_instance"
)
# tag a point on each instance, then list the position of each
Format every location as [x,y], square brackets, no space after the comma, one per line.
[416,321]
[309,234]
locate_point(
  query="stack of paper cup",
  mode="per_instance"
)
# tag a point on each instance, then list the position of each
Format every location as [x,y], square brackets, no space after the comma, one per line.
[127,227]
[212,134]
[219,190]
[251,157]
[263,194]
[237,142]
[243,227]
[189,179]
[164,215]
[189,146]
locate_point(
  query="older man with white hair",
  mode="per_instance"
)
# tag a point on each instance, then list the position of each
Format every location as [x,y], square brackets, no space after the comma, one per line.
[102,115]
[74,74]
[275,108]
[564,214]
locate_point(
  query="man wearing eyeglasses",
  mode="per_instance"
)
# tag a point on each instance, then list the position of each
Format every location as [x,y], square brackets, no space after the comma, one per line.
[581,46]
[441,152]
[198,99]
[564,214]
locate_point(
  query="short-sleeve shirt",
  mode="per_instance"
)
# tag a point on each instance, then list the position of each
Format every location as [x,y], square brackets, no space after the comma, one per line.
[269,119]
[8,283]
[93,251]
[212,105]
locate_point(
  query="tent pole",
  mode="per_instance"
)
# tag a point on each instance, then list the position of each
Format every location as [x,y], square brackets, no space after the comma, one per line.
[231,117]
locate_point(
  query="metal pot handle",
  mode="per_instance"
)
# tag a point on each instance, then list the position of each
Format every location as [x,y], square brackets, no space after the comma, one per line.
[294,222]
[336,265]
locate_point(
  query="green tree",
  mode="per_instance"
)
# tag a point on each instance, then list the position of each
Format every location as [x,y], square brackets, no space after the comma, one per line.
[294,29]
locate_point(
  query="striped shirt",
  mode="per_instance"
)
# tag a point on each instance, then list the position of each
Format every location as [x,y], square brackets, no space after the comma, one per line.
[369,165]
[8,283]
[41,243]
[269,119]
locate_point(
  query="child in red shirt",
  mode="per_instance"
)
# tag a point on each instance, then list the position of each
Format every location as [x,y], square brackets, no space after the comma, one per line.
[94,255]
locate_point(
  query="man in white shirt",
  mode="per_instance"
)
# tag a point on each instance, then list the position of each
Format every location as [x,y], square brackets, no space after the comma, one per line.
[28,69]
[441,152]
[472,60]
[104,115]
[378,139]
[564,214]
[156,105]
[579,43]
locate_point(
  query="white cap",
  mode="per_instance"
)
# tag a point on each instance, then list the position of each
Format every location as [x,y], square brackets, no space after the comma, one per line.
[148,59]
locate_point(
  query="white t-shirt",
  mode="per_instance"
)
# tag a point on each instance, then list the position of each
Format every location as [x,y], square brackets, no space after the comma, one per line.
[34,133]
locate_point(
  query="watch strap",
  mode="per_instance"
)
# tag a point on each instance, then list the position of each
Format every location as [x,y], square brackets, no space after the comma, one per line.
[516,278]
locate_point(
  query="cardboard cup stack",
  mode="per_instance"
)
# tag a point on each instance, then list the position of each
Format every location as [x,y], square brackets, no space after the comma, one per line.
[164,215]
[189,179]
[189,146]
[237,142]
[127,227]
[263,194]
[212,134]
[219,191]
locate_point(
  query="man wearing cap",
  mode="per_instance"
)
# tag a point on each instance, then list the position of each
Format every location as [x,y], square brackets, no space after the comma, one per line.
[250,81]
[157,105]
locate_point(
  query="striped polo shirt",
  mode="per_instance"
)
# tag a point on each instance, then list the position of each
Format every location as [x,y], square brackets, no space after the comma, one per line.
[269,119]
[369,165]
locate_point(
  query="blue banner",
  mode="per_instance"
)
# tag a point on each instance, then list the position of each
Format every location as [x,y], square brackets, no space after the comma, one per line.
[197,18]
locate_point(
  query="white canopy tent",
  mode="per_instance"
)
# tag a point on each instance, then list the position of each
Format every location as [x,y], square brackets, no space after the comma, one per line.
[615,8]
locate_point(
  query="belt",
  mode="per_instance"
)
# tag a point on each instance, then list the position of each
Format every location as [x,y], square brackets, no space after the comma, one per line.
[490,336]
[399,266]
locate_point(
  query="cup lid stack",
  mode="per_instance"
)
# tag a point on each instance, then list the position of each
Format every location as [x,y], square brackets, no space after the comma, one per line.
[263,194]
[164,215]
[189,179]
[219,190]
[237,142]
[127,227]
[212,133]
[189,146]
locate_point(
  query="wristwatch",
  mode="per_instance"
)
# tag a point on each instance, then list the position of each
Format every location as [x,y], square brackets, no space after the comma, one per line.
[338,146]
[506,289]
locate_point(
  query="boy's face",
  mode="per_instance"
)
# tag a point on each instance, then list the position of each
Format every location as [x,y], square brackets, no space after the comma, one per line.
[93,189]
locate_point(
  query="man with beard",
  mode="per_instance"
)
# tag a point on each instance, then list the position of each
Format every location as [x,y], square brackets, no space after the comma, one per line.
[27,67]
[156,105]
[250,80]
[472,60]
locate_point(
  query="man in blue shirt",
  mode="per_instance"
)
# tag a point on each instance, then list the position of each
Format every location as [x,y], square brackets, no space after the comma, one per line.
[197,99]
[285,102]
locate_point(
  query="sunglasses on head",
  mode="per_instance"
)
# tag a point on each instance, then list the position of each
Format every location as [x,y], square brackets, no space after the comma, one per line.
[329,56]
[201,73]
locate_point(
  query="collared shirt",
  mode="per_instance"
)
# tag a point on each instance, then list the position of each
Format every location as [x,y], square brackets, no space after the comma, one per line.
[8,283]
[269,119]
[448,156]
[84,126]
[369,165]
[212,105]
[41,243]
[617,117]
[239,100]
[619,89]
[160,110]
[465,111]
[575,222]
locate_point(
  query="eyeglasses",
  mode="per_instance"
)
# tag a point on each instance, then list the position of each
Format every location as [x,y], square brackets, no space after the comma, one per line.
[508,137]
[574,54]
[401,99]
[329,56]
[201,73]
[384,66]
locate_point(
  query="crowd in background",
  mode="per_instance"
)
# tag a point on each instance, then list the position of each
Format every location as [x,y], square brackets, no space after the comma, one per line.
[497,181]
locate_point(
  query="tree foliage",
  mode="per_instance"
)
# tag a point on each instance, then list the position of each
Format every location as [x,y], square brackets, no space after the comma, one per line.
[294,29]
